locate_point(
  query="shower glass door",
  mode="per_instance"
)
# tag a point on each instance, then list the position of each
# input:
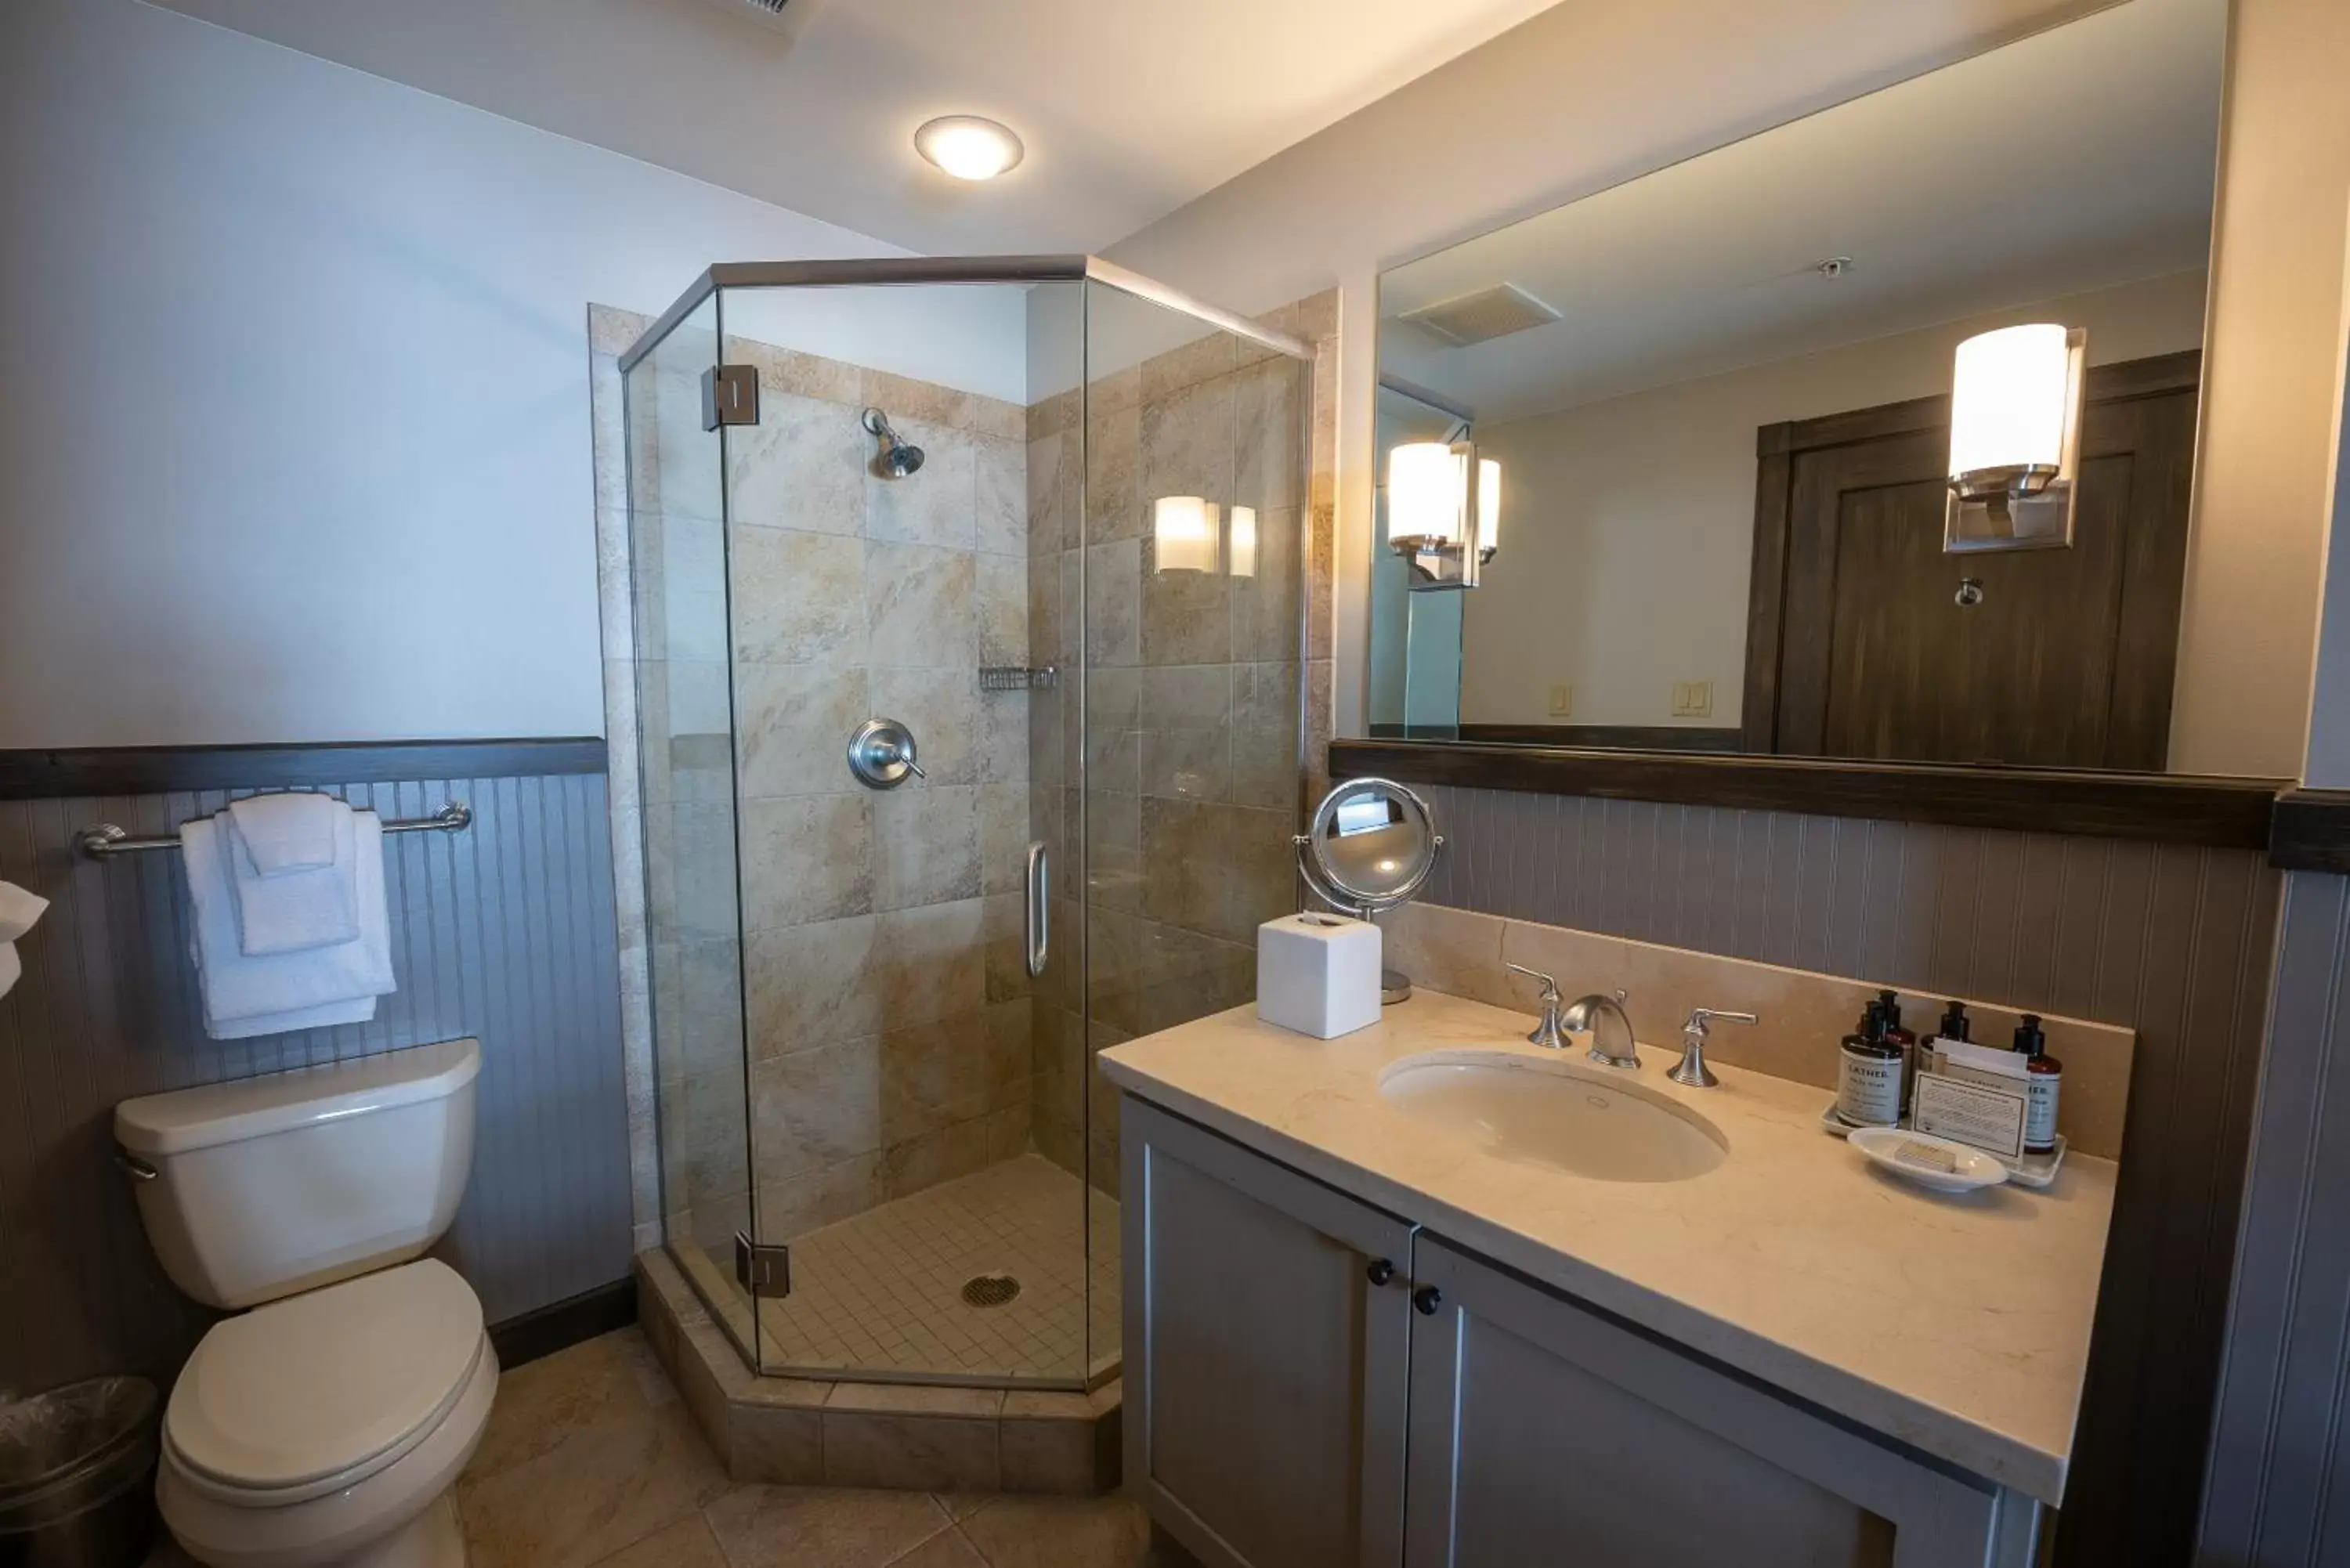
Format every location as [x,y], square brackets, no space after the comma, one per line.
[895,525]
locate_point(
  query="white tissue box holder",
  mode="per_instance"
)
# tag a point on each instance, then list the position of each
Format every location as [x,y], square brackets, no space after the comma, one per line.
[1318,974]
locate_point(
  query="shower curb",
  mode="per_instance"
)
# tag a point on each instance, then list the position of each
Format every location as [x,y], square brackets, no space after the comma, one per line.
[901,1437]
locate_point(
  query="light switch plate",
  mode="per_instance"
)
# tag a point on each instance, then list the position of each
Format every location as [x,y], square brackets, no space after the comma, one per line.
[1562,700]
[1692,699]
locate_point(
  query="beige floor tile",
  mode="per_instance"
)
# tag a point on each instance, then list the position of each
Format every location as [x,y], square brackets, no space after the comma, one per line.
[1056,1532]
[688,1544]
[607,1380]
[817,1527]
[951,1550]
[597,1490]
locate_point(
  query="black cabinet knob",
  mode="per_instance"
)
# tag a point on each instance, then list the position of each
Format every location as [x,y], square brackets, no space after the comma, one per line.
[1426,1299]
[1380,1272]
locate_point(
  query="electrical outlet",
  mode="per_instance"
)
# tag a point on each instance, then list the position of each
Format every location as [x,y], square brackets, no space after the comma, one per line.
[1692,699]
[1562,702]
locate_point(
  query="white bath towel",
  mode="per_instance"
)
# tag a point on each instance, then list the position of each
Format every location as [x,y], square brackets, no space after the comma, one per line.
[293,911]
[18,910]
[244,995]
[289,832]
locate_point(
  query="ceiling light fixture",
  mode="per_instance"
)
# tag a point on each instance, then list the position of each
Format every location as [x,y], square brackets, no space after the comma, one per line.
[968,147]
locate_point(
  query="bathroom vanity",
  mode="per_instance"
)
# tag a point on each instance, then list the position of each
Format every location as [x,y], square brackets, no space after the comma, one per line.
[1380,1315]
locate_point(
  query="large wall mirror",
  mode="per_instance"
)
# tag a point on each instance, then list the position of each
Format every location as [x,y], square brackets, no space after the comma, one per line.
[1871,436]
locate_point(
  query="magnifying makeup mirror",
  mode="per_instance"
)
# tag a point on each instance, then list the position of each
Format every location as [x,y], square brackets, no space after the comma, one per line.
[1370,846]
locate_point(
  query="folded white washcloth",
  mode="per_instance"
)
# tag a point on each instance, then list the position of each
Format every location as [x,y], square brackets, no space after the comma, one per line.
[11,966]
[289,833]
[295,911]
[18,910]
[246,995]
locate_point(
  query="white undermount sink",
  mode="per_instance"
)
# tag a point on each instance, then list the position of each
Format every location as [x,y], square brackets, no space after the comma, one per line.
[1590,1120]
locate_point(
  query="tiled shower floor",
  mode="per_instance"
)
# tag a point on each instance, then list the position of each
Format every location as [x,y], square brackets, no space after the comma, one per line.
[881,1296]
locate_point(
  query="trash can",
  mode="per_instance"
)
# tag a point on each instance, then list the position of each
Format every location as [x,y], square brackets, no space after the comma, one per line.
[77,1476]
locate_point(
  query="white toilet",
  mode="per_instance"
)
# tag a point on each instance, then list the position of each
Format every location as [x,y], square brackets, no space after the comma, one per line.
[327,1425]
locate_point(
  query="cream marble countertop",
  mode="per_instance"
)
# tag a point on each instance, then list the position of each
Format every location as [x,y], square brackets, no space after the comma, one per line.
[1958,1326]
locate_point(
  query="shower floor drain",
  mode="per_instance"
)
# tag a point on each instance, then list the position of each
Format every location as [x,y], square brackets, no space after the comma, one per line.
[989,1289]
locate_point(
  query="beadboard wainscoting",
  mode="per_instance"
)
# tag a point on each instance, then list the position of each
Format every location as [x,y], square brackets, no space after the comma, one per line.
[2173,941]
[503,931]
[2284,1395]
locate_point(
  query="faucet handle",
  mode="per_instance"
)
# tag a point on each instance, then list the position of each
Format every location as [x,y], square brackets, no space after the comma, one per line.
[1550,992]
[1691,1069]
[1548,1032]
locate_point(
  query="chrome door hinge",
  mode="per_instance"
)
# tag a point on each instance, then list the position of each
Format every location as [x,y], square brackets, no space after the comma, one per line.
[763,1270]
[729,395]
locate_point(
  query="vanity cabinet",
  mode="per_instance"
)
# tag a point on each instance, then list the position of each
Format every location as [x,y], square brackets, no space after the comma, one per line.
[1263,1366]
[1291,1402]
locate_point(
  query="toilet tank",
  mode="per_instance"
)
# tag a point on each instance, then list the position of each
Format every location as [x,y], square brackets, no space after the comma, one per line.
[266,1187]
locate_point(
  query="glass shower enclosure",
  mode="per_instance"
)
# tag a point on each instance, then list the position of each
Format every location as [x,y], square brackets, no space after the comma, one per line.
[1047,518]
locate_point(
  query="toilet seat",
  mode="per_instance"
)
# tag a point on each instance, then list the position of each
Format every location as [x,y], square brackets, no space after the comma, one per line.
[316,1393]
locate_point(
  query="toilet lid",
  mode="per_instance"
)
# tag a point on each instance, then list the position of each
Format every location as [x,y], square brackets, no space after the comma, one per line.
[318,1383]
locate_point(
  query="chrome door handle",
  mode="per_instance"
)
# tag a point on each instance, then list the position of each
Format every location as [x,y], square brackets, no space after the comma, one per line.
[1040,932]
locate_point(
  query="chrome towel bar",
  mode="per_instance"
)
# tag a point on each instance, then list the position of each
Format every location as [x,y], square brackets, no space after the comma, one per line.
[104,838]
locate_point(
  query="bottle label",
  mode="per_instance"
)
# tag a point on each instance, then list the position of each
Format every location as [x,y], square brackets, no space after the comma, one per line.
[1868,1090]
[2040,1111]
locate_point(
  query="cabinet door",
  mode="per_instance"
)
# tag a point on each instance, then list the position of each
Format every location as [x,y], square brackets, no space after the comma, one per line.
[1266,1372]
[1543,1433]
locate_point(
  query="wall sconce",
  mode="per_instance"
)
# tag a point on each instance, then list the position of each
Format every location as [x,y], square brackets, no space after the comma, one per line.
[2015,439]
[1185,528]
[1444,511]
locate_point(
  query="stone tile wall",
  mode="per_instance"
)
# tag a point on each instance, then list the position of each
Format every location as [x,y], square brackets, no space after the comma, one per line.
[1195,683]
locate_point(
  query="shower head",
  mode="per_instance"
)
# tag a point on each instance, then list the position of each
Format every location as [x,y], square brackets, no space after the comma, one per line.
[898,458]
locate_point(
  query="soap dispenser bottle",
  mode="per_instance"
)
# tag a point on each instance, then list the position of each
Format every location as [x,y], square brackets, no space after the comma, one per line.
[1868,1075]
[1901,1038]
[2041,1089]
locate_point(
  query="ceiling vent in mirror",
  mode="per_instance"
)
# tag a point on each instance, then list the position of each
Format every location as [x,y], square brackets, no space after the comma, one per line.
[1482,316]
[768,13]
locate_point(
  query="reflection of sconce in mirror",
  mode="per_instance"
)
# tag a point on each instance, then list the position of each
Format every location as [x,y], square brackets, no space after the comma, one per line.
[1185,529]
[1444,512]
[1194,535]
[2015,439]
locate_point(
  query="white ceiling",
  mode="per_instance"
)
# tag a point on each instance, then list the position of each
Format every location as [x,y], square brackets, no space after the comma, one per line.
[1129,110]
[2070,161]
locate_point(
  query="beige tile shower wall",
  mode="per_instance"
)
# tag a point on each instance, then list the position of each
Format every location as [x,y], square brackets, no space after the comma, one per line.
[1802,1015]
[1194,692]
[888,1012]
[886,1029]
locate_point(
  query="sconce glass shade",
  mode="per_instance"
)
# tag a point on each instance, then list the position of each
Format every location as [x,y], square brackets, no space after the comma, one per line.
[1423,492]
[2011,400]
[1488,508]
[1243,537]
[1184,527]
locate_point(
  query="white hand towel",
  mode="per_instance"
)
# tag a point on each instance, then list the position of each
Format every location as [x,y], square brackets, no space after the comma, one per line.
[289,833]
[247,995]
[18,910]
[11,966]
[295,911]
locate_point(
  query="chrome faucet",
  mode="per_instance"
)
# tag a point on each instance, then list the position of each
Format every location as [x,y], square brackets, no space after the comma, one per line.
[1692,1069]
[1603,1017]
[1548,1033]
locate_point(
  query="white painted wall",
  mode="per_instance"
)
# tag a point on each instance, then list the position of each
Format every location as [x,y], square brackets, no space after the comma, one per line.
[296,382]
[2264,458]
[1629,524]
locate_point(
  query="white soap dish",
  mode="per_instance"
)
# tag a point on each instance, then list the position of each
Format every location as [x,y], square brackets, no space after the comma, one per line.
[2033,1171]
[1941,1163]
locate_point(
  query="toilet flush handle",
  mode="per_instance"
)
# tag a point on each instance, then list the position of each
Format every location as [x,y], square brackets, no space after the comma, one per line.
[138,1168]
